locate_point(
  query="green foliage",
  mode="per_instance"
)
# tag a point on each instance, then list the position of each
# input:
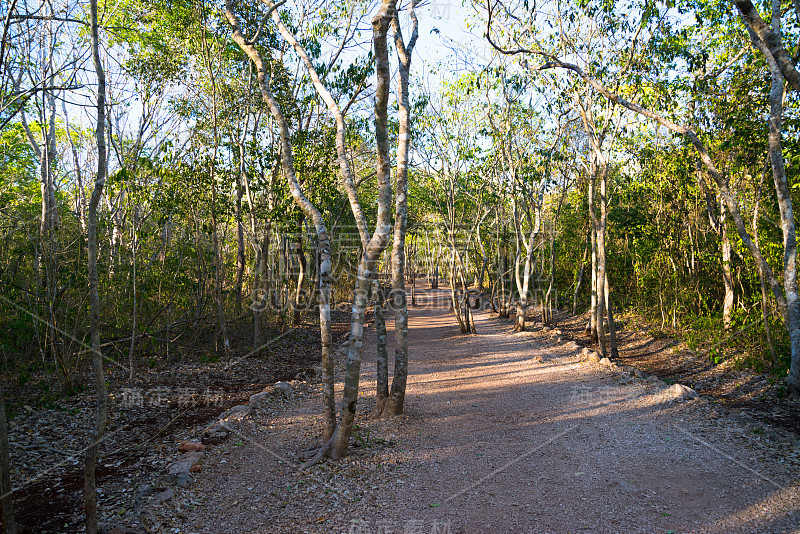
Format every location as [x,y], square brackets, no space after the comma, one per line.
[486,144]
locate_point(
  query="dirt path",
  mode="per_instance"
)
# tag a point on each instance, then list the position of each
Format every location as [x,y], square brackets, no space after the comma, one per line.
[503,433]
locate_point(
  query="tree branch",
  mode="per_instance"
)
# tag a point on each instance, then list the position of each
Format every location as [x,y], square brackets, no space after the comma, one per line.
[752,19]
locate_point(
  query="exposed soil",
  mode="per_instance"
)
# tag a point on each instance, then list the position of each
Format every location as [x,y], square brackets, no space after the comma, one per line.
[503,432]
[727,384]
[166,401]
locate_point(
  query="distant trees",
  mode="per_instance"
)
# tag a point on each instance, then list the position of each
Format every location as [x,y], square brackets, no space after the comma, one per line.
[659,104]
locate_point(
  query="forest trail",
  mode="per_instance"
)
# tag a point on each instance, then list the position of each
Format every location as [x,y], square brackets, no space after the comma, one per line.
[503,433]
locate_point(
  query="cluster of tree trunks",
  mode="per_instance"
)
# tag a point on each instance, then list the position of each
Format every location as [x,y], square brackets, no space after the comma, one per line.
[338,430]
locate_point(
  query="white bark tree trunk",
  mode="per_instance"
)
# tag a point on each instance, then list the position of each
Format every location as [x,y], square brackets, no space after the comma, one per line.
[792,300]
[727,275]
[380,238]
[309,210]
[398,298]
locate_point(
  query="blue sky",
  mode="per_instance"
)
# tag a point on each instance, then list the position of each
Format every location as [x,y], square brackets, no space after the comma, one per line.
[449,34]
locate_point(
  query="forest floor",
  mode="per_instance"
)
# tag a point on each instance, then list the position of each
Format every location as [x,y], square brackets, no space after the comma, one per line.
[503,432]
[727,383]
[165,402]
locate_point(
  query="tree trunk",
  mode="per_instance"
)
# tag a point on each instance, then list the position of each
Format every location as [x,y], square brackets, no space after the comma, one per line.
[503,272]
[414,286]
[592,326]
[484,262]
[727,276]
[101,412]
[454,305]
[132,346]
[552,276]
[523,283]
[601,260]
[398,298]
[117,229]
[261,289]
[792,313]
[772,43]
[382,357]
[219,277]
[578,280]
[239,245]
[388,14]
[300,255]
[201,270]
[80,198]
[262,279]
[6,491]
[46,265]
[309,210]
[765,314]
[612,326]
[380,238]
[435,279]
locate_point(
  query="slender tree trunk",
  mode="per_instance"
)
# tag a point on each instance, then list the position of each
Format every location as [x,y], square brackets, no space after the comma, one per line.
[551,277]
[598,169]
[388,13]
[501,281]
[262,279]
[592,326]
[454,293]
[200,247]
[6,495]
[521,312]
[578,280]
[468,324]
[219,274]
[239,245]
[382,356]
[398,298]
[380,238]
[789,301]
[132,346]
[414,286]
[46,265]
[792,299]
[80,197]
[117,228]
[309,210]
[219,278]
[612,326]
[727,275]
[765,315]
[601,263]
[261,288]
[300,254]
[101,412]
[504,270]
[484,262]
[523,282]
